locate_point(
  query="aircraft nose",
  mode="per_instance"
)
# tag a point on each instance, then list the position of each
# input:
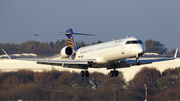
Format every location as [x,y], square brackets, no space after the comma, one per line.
[140,49]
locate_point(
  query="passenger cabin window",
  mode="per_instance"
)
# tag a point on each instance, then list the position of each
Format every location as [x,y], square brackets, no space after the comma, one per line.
[134,42]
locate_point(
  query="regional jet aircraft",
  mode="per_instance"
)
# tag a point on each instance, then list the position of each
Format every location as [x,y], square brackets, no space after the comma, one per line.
[111,55]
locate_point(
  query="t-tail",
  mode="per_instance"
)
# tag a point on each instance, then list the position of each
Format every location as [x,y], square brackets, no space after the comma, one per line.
[70,39]
[69,33]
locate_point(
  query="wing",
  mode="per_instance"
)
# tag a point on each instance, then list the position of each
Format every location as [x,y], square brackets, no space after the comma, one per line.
[145,61]
[79,64]
[84,64]
[132,62]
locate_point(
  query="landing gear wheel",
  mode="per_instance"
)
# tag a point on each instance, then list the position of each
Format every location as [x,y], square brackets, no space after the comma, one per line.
[111,73]
[82,73]
[116,73]
[87,73]
[138,63]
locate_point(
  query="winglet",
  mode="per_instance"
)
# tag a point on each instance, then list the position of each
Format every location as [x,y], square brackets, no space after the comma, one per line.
[175,55]
[6,54]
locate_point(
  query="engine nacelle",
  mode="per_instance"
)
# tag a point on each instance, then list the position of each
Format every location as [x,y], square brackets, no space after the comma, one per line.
[67,51]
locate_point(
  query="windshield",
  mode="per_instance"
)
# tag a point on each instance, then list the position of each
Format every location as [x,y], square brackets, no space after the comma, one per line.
[134,42]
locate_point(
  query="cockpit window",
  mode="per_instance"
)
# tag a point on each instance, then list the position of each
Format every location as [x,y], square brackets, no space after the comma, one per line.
[140,42]
[134,42]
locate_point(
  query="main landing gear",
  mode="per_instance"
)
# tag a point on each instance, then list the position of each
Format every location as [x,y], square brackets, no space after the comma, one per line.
[84,73]
[114,73]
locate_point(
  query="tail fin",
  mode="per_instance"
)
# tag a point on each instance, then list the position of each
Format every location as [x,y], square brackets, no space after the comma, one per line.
[70,38]
[69,33]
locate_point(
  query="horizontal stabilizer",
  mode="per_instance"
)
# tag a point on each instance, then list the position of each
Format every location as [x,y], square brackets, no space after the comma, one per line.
[63,33]
[83,34]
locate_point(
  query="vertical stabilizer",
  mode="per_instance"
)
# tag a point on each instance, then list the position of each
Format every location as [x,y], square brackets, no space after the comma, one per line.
[70,38]
[69,33]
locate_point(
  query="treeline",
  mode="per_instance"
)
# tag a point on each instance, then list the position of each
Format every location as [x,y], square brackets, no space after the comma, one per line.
[64,85]
[39,48]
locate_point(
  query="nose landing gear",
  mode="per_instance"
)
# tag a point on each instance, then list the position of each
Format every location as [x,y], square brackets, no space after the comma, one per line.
[137,58]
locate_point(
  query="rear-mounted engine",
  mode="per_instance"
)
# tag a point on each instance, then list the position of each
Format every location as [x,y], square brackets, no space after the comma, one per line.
[67,51]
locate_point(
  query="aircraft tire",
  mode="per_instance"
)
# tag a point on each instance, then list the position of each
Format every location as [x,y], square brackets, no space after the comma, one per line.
[138,63]
[87,73]
[111,73]
[82,74]
[116,73]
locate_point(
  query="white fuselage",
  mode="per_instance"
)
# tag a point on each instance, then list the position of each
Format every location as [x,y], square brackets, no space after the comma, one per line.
[113,50]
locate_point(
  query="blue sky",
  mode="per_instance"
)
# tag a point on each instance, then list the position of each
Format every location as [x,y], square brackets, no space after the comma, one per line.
[107,19]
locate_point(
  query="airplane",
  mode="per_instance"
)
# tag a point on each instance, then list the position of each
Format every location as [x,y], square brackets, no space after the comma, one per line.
[121,53]
[112,55]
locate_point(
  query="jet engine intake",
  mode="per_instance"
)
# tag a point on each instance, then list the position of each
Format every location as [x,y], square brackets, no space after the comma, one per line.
[67,51]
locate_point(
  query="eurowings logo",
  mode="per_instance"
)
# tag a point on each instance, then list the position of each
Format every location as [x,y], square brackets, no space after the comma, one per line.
[71,43]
